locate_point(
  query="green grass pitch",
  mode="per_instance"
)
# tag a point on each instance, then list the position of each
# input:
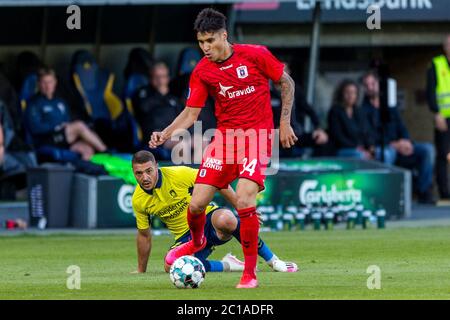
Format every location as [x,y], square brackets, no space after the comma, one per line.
[414,263]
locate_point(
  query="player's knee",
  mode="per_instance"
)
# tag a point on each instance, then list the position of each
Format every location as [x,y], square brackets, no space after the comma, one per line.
[80,126]
[196,208]
[225,221]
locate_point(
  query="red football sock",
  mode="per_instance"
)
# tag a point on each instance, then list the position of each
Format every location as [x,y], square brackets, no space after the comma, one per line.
[249,239]
[196,223]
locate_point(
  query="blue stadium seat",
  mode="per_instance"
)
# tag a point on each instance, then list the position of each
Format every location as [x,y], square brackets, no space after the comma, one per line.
[134,82]
[28,89]
[187,60]
[95,88]
[104,109]
[27,66]
[137,76]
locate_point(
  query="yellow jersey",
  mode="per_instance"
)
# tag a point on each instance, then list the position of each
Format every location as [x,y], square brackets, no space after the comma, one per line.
[168,200]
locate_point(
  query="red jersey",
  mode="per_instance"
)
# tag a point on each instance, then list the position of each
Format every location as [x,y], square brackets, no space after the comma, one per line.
[239,85]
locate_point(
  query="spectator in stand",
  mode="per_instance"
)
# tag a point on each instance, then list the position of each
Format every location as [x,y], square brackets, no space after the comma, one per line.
[317,139]
[347,125]
[14,161]
[438,97]
[157,107]
[12,158]
[398,147]
[48,121]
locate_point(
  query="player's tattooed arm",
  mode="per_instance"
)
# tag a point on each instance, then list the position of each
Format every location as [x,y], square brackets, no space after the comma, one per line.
[287,97]
[287,135]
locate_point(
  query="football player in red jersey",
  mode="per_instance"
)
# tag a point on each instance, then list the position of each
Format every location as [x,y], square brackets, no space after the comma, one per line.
[237,76]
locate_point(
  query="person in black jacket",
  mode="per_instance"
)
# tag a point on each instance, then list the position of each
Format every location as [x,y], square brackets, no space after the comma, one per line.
[317,139]
[347,126]
[157,107]
[399,149]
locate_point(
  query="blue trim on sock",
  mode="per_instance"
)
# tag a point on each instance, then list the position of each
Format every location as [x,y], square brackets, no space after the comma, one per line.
[214,266]
[263,250]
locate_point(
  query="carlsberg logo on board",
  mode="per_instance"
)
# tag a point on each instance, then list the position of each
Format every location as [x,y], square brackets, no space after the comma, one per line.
[311,192]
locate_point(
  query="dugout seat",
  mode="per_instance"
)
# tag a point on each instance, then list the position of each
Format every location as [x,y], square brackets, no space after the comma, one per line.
[94,85]
[136,76]
[133,83]
[188,59]
[103,109]
[29,88]
[27,65]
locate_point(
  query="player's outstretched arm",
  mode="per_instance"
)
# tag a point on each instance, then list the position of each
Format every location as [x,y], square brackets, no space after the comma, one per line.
[144,247]
[287,135]
[184,120]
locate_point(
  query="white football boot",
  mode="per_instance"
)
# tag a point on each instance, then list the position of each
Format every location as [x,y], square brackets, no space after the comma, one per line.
[234,263]
[283,266]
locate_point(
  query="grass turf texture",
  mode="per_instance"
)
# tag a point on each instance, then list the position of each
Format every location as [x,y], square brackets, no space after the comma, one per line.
[415,264]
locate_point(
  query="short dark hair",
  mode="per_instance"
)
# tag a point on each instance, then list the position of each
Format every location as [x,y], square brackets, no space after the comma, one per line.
[158,64]
[143,156]
[210,20]
[370,73]
[46,71]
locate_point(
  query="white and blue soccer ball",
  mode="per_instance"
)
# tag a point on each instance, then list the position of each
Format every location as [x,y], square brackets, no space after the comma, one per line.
[187,272]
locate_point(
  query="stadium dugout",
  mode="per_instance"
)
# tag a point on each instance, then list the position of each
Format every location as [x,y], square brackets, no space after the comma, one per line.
[110,30]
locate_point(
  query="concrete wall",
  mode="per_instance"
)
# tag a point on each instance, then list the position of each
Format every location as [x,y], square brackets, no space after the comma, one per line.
[410,70]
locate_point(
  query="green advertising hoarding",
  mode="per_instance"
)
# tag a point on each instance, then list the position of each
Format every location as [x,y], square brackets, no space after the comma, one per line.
[331,182]
[105,202]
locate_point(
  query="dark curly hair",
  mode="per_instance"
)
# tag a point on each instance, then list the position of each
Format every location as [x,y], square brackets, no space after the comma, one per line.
[210,20]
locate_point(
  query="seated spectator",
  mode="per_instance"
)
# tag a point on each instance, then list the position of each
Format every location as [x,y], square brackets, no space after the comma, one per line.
[13,159]
[48,121]
[398,147]
[347,125]
[13,162]
[317,139]
[156,107]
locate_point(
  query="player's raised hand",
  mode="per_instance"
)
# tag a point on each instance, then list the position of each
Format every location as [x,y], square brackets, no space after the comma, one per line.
[156,139]
[287,135]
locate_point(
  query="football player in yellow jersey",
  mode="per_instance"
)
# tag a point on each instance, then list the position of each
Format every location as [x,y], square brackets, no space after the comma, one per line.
[166,192]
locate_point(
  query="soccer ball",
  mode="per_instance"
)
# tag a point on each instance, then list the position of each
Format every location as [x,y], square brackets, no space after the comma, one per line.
[187,272]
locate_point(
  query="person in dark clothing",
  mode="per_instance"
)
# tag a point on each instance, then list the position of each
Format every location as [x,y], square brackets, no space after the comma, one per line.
[157,107]
[347,125]
[48,121]
[14,159]
[11,159]
[180,87]
[438,97]
[398,147]
[317,139]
